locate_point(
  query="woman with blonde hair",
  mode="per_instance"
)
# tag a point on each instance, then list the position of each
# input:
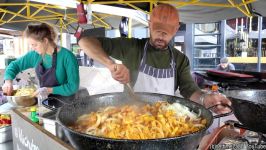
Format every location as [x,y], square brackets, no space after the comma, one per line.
[56,67]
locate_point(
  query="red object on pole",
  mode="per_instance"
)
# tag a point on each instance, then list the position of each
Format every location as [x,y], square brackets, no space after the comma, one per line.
[78,32]
[81,13]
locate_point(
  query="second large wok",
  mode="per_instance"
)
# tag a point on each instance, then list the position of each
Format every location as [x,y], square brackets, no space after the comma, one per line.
[68,114]
[249,107]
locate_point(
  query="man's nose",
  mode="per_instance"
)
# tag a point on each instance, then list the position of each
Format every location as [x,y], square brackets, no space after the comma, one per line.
[162,35]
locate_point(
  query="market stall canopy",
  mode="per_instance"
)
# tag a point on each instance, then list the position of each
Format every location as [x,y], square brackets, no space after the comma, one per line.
[16,14]
[202,11]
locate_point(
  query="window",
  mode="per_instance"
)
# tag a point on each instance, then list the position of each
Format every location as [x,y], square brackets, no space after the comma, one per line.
[207,48]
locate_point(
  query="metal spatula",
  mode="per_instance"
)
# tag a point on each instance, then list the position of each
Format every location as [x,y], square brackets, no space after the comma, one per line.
[130,91]
[132,94]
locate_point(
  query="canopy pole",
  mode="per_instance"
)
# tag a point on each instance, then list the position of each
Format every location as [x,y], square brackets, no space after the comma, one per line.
[236,27]
[250,25]
[242,28]
[129,27]
[259,44]
[223,40]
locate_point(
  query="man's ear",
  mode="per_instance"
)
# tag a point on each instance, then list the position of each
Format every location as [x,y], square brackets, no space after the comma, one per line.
[46,41]
[177,27]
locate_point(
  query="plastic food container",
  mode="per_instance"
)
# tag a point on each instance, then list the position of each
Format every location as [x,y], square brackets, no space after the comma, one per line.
[5,133]
[51,125]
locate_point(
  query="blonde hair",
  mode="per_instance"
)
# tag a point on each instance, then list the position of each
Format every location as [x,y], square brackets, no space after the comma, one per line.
[40,32]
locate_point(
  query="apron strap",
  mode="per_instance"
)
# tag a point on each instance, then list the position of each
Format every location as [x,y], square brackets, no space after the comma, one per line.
[143,59]
[54,57]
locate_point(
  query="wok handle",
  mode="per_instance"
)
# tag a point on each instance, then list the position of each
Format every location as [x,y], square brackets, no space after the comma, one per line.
[58,99]
[222,115]
[238,125]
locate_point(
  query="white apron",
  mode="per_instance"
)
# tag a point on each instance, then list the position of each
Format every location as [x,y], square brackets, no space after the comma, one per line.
[155,80]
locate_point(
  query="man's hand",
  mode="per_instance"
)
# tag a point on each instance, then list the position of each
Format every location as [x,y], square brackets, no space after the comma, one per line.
[120,73]
[215,99]
[8,87]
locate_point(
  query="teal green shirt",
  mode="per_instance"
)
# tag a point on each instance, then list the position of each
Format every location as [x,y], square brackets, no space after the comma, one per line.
[67,69]
[130,52]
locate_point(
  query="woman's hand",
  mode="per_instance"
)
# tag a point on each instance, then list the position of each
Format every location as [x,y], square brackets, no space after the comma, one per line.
[8,87]
[120,73]
[43,92]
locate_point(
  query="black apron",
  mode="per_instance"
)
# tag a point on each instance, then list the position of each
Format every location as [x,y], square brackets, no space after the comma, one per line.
[47,77]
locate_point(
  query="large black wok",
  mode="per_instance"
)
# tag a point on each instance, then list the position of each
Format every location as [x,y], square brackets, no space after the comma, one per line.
[68,114]
[249,107]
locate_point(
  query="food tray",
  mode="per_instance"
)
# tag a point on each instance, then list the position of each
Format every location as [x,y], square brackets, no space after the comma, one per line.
[5,133]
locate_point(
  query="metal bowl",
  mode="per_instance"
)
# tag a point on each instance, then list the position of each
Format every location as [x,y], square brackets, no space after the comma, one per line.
[24,101]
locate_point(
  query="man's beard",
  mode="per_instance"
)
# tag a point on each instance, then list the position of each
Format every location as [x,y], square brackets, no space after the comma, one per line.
[159,44]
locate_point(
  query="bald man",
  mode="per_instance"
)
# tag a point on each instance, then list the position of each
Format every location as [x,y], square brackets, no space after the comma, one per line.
[151,65]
